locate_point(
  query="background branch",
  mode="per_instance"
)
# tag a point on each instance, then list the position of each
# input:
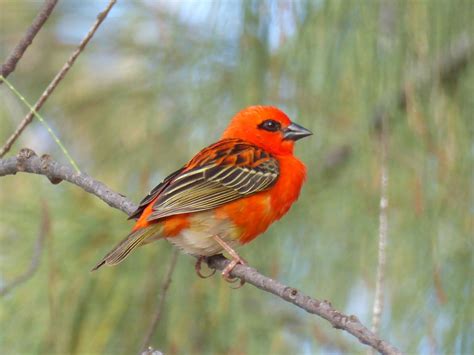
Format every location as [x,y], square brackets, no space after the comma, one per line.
[56,80]
[383,231]
[21,47]
[28,161]
[386,37]
[161,302]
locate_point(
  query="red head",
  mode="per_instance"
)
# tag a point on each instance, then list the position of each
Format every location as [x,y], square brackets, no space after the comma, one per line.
[267,127]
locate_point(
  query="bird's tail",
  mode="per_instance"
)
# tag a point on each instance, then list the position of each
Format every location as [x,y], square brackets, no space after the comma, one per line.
[129,243]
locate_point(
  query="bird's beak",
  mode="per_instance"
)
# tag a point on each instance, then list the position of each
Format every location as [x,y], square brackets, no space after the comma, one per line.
[295,131]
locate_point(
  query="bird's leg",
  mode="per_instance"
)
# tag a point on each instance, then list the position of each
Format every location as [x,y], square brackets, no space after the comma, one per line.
[198,265]
[236,259]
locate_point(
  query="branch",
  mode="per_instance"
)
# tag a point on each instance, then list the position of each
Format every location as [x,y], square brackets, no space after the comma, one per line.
[20,49]
[383,231]
[161,302]
[323,309]
[36,258]
[57,79]
[27,161]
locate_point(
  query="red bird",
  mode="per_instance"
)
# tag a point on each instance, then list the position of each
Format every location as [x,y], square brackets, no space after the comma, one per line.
[228,194]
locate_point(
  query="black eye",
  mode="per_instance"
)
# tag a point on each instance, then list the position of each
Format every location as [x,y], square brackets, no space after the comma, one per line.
[270,125]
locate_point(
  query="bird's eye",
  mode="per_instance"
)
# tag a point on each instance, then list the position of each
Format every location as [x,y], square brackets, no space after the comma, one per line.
[270,125]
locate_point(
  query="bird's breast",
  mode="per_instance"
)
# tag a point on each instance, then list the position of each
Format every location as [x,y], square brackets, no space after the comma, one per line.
[197,237]
[254,214]
[288,187]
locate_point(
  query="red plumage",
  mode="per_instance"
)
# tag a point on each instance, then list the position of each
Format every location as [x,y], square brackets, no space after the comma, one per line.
[228,194]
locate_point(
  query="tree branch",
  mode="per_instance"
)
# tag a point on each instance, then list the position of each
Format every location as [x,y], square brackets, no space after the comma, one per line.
[323,309]
[27,161]
[21,47]
[56,80]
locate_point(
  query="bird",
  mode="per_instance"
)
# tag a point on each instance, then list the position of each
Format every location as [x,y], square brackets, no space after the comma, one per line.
[228,194]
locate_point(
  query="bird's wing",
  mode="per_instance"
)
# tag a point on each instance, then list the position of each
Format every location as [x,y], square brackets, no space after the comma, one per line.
[222,173]
[153,194]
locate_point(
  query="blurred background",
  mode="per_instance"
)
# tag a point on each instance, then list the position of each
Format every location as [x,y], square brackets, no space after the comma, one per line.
[160,80]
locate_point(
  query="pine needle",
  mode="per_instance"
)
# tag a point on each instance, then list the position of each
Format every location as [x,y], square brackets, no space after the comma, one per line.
[43,122]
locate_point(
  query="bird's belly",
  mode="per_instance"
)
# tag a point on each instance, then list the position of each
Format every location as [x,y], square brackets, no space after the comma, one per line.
[197,239]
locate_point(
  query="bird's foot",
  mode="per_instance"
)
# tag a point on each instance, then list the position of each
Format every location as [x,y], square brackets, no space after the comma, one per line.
[236,259]
[198,265]
[228,269]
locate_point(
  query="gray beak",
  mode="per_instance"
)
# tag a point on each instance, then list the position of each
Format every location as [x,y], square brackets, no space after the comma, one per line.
[295,131]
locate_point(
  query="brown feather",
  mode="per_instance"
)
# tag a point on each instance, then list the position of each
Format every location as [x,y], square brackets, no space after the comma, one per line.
[129,243]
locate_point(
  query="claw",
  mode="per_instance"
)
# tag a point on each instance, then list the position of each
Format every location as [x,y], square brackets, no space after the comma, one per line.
[230,279]
[241,283]
[198,265]
[233,280]
[226,272]
[236,259]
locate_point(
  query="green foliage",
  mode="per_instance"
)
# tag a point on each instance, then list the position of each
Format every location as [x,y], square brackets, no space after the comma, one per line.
[158,81]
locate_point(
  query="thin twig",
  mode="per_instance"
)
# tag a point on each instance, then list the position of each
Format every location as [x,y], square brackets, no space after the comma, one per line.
[161,302]
[383,231]
[27,39]
[27,161]
[36,258]
[57,79]
[386,24]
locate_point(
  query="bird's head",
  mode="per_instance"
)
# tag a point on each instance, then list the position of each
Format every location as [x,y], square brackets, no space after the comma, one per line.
[267,127]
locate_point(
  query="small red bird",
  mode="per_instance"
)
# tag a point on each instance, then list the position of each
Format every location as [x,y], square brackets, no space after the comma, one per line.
[228,194]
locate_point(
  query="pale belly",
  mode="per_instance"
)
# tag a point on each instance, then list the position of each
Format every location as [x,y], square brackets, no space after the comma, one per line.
[198,238]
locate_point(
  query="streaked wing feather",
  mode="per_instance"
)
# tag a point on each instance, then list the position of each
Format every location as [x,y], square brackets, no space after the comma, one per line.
[221,173]
[196,205]
[153,194]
